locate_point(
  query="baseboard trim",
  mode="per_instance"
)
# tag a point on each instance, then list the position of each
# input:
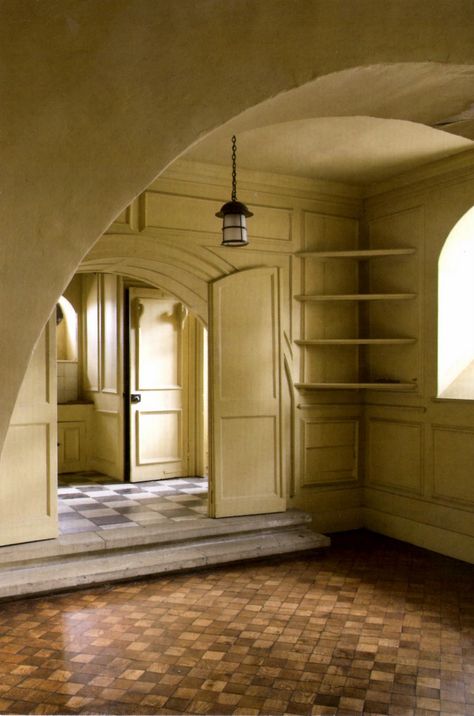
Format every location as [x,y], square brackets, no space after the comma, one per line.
[451,544]
[337,520]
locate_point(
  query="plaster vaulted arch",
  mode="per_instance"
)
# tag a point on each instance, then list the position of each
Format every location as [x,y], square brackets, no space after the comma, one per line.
[99,97]
[171,265]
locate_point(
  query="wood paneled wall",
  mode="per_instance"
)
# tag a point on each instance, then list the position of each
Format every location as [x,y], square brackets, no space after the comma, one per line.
[419,449]
[102,331]
[28,466]
[171,238]
[396,460]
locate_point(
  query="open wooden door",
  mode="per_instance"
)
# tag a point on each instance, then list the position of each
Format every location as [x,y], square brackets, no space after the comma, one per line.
[245,370]
[158,420]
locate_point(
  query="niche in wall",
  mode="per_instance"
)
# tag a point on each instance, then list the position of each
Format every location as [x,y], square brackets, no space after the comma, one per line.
[67,350]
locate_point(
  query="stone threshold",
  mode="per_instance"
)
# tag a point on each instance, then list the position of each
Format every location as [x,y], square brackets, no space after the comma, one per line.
[90,558]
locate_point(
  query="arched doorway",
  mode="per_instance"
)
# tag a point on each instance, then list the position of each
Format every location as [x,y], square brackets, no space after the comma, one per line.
[141,384]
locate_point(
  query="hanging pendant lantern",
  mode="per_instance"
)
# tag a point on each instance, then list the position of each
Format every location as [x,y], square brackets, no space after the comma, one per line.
[234,213]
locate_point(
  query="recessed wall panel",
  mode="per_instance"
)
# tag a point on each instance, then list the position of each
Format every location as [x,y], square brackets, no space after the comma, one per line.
[91,332]
[453,477]
[106,425]
[109,334]
[249,448]
[24,491]
[34,389]
[159,356]
[194,214]
[395,455]
[248,343]
[330,451]
[329,233]
[159,436]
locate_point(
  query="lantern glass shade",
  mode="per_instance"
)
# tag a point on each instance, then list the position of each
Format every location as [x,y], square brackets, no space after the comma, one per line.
[234,230]
[234,226]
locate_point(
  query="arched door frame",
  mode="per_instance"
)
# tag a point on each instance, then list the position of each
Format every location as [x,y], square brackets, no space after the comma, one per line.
[178,272]
[184,274]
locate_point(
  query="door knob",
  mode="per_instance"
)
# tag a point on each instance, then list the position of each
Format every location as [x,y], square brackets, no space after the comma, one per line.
[135,398]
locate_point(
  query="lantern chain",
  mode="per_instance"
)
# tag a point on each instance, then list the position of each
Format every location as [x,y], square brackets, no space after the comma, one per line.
[234,170]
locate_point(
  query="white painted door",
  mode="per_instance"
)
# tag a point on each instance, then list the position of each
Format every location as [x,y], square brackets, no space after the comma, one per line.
[158,421]
[245,376]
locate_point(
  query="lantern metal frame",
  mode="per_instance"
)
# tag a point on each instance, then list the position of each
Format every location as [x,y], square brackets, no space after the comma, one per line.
[234,213]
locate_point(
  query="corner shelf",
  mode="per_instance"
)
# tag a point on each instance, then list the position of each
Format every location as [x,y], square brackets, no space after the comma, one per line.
[357,297]
[356,386]
[357,342]
[360,254]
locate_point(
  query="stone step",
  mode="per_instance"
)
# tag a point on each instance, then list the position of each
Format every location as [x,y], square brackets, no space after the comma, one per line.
[157,534]
[87,559]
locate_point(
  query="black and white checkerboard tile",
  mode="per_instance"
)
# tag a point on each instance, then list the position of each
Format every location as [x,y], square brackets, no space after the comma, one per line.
[88,506]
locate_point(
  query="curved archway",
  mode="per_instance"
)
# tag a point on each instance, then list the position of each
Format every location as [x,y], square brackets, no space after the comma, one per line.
[119,94]
[172,265]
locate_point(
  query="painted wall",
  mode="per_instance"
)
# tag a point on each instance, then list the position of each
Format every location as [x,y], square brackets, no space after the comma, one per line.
[102,377]
[419,449]
[170,237]
[99,97]
[394,459]
[28,466]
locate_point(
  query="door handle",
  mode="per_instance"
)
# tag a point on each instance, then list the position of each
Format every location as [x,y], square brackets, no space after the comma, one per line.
[135,398]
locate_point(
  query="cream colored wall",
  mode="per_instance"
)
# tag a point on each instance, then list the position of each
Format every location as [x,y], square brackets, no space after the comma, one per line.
[28,466]
[99,97]
[419,450]
[170,237]
[335,441]
[399,460]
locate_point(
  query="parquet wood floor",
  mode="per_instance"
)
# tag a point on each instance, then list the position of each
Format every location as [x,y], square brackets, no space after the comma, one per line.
[373,626]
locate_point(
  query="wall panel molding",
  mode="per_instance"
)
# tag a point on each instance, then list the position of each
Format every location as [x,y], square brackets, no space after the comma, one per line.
[106,425]
[453,460]
[329,451]
[395,455]
[197,214]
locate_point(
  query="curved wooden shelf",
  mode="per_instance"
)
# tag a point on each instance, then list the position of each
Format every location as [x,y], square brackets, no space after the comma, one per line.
[355,341]
[360,254]
[356,386]
[356,297]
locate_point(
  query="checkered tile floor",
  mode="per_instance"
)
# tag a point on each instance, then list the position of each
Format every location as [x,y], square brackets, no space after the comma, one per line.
[85,505]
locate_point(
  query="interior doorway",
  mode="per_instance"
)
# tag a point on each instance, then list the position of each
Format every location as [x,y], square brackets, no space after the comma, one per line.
[245,364]
[123,345]
[165,388]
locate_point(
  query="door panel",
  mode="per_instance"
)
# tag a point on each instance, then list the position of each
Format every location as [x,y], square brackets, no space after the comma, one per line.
[158,376]
[28,465]
[102,299]
[245,394]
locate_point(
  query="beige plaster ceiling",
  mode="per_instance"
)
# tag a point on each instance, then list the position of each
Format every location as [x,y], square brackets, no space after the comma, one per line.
[359,126]
[357,150]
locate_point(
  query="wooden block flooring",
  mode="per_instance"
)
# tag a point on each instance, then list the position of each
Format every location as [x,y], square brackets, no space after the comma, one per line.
[372,626]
